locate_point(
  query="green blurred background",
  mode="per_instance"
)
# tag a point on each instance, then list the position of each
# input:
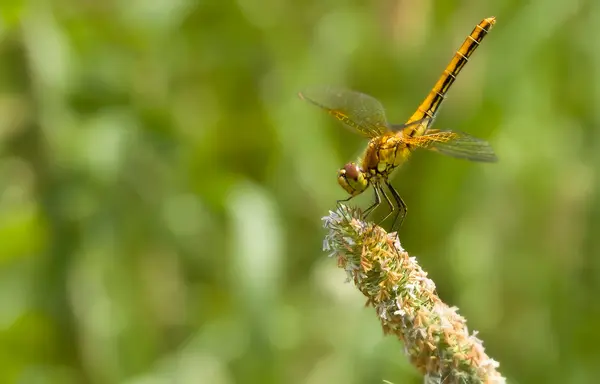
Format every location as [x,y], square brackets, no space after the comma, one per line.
[162,187]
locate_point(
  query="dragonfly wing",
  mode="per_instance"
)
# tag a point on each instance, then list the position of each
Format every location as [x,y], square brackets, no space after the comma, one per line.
[362,113]
[455,144]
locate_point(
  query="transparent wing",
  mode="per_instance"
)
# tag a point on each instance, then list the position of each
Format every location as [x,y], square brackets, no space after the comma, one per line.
[455,144]
[362,113]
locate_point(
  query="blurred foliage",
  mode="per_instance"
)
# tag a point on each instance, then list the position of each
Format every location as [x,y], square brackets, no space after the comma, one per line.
[162,187]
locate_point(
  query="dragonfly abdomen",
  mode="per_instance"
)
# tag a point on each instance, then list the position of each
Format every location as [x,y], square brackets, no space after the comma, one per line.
[434,99]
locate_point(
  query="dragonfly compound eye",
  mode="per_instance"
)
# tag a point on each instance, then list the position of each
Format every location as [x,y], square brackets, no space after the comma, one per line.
[352,179]
[351,171]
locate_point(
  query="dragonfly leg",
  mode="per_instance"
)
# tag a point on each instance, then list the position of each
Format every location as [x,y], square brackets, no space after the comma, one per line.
[339,202]
[401,214]
[375,204]
[392,208]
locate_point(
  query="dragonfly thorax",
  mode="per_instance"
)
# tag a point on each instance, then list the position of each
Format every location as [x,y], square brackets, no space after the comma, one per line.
[353,179]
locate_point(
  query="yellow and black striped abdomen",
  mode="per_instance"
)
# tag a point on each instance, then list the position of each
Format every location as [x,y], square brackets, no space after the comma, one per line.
[432,102]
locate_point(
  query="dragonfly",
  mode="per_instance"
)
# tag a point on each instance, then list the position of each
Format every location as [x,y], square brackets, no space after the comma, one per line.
[390,145]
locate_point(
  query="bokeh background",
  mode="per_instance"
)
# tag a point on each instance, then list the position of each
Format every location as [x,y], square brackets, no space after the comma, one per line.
[162,187]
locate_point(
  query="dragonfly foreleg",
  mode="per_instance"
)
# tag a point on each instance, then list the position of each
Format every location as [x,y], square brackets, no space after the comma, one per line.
[339,202]
[392,208]
[375,204]
[401,214]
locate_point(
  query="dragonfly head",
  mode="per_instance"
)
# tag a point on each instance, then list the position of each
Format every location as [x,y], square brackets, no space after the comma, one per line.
[352,179]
